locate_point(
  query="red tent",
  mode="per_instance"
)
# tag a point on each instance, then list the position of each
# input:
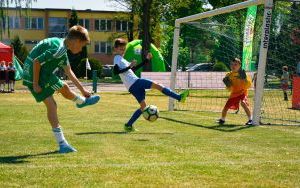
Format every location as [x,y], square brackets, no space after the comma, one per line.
[6,53]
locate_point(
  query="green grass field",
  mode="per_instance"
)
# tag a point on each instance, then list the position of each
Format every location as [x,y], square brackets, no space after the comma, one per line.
[181,149]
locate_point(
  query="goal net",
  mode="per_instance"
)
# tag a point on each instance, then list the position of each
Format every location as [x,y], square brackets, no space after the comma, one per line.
[260,34]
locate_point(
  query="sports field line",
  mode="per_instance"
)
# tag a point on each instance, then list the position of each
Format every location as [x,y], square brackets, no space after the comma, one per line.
[157,164]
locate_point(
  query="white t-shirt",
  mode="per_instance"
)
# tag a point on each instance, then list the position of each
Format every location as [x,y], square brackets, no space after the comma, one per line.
[128,77]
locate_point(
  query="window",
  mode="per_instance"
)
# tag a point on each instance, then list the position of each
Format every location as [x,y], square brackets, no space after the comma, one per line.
[34,23]
[123,26]
[103,25]
[57,27]
[14,22]
[103,47]
[84,22]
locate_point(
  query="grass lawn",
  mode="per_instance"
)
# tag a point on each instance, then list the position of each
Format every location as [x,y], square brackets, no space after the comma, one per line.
[181,149]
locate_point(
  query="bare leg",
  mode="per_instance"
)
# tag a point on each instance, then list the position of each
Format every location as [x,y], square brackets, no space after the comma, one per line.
[224,113]
[157,86]
[52,111]
[67,93]
[247,110]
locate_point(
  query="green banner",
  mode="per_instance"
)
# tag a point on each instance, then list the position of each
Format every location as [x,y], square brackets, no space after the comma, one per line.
[248,65]
[19,70]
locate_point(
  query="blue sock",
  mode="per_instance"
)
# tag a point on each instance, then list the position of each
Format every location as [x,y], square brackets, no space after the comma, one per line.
[134,117]
[171,93]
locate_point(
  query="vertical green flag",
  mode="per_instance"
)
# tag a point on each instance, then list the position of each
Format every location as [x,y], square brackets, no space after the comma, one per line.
[19,70]
[248,39]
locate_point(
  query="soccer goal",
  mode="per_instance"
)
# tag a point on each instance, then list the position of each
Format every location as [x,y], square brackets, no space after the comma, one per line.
[256,31]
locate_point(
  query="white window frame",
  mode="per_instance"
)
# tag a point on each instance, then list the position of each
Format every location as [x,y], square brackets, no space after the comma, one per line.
[121,26]
[37,23]
[84,20]
[106,28]
[107,46]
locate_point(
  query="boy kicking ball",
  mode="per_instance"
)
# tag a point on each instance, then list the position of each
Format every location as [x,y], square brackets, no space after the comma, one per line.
[238,83]
[137,86]
[39,76]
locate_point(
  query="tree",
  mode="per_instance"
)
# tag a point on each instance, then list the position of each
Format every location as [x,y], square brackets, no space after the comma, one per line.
[146,36]
[75,59]
[4,6]
[19,49]
[73,18]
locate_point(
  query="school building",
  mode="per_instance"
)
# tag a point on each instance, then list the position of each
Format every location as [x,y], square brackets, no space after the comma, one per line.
[37,24]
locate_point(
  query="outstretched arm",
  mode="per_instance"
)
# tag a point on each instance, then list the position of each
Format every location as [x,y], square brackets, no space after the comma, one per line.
[117,69]
[147,60]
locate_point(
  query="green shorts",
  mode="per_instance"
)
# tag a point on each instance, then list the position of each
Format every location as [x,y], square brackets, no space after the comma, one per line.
[49,86]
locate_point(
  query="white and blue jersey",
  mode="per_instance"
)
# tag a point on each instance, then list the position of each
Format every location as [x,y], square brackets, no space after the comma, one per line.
[128,77]
[136,86]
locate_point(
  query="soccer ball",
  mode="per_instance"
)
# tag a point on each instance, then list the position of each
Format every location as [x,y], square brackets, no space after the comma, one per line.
[151,113]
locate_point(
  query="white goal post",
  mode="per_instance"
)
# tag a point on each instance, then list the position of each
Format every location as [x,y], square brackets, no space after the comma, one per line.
[268,5]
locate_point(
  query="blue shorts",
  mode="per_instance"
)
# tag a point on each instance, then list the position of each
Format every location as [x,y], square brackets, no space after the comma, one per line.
[138,89]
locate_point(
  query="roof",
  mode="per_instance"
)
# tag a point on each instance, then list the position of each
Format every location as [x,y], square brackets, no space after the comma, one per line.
[91,5]
[3,46]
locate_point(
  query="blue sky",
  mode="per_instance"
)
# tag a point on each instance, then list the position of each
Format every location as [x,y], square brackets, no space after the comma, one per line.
[108,5]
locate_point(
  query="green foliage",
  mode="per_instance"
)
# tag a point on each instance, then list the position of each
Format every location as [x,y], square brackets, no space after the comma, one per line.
[95,65]
[220,67]
[20,49]
[73,19]
[4,6]
[75,59]
[281,49]
[223,3]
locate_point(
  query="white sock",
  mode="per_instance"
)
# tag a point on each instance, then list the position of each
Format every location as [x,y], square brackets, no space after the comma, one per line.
[59,135]
[79,99]
[1,87]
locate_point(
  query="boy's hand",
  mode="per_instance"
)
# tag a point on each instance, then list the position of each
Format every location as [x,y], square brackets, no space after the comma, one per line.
[133,63]
[149,56]
[37,88]
[86,93]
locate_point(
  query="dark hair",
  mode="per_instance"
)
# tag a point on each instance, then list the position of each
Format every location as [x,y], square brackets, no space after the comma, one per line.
[285,68]
[78,32]
[237,60]
[120,42]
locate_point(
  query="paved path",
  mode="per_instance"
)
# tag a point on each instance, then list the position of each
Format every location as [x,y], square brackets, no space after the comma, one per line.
[101,87]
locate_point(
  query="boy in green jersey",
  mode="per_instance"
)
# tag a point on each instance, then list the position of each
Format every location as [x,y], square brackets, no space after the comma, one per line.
[39,76]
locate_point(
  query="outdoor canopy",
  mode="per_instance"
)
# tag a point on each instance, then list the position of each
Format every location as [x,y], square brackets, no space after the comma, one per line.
[6,53]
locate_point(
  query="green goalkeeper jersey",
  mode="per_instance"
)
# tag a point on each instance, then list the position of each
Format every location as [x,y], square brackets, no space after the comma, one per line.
[51,54]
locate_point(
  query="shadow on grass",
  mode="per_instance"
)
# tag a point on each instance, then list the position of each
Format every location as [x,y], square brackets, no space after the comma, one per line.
[223,128]
[110,132]
[123,132]
[21,158]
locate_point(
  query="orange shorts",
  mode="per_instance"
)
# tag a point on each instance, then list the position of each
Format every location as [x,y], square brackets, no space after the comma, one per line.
[234,103]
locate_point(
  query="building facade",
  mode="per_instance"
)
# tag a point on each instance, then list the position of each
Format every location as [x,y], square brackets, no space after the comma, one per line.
[37,24]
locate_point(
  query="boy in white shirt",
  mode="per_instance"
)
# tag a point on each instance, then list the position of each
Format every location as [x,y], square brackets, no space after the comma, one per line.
[137,86]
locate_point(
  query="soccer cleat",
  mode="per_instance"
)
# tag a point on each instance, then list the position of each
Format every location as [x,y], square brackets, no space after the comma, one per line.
[250,122]
[129,128]
[220,121]
[184,95]
[89,101]
[66,149]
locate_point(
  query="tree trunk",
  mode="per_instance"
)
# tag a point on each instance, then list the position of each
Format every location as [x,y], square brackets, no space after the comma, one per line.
[146,33]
